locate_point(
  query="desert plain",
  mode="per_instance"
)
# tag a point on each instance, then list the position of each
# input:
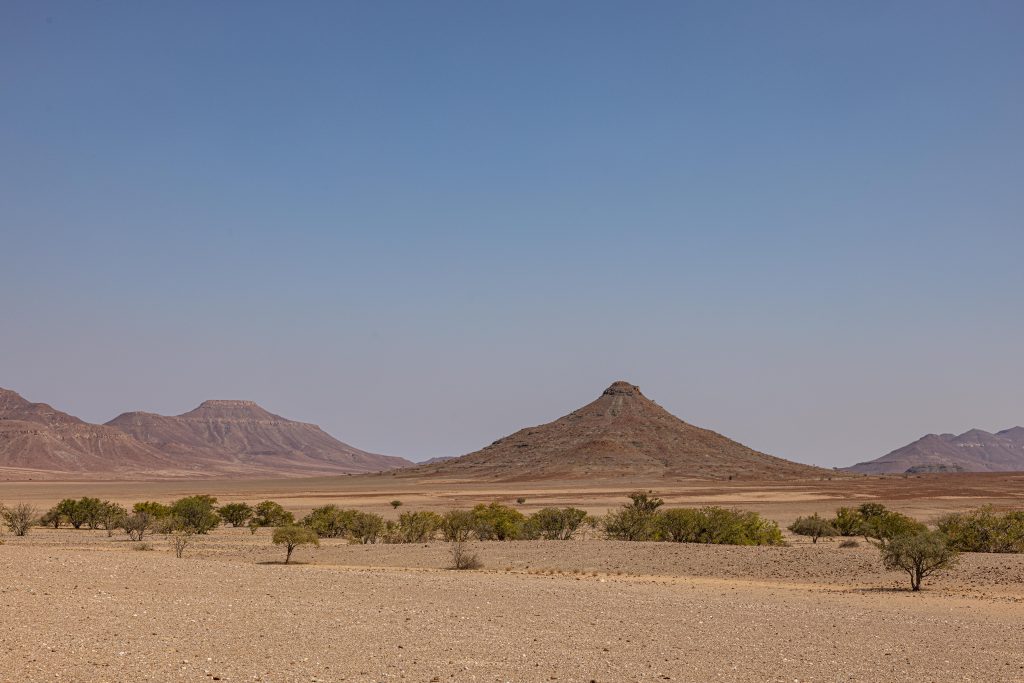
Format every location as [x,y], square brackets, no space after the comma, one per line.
[85,606]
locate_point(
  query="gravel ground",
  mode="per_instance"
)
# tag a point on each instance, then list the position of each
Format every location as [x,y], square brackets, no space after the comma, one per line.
[78,606]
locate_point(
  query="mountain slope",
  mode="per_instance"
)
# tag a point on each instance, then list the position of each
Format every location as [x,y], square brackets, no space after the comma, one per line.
[36,436]
[242,436]
[973,451]
[620,433]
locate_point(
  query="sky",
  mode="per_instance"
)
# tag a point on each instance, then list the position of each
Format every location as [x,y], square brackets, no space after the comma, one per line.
[424,226]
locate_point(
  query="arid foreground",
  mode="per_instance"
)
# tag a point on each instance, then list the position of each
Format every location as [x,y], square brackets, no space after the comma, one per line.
[82,606]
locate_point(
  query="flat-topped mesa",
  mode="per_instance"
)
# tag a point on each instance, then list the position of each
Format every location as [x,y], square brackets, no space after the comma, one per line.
[622,388]
[230,410]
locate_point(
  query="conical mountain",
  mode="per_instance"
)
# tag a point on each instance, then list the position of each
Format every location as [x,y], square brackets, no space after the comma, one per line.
[37,439]
[241,436]
[621,433]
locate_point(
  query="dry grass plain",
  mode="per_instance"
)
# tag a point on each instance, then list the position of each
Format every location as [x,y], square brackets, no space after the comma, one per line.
[81,606]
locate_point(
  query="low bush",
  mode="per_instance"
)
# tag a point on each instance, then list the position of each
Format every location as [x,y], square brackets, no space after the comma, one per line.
[462,558]
[634,521]
[643,520]
[330,521]
[458,525]
[136,525]
[553,524]
[196,513]
[413,527]
[19,519]
[984,530]
[153,509]
[814,526]
[235,514]
[497,522]
[269,513]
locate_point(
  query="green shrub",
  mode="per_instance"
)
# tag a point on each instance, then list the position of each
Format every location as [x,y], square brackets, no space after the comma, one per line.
[847,522]
[330,521]
[269,513]
[634,521]
[554,524]
[68,509]
[414,527]
[497,522]
[715,525]
[458,525]
[366,527]
[984,530]
[813,526]
[235,514]
[153,509]
[920,554]
[111,515]
[196,513]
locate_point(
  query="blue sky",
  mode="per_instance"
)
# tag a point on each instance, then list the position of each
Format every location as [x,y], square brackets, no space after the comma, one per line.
[425,225]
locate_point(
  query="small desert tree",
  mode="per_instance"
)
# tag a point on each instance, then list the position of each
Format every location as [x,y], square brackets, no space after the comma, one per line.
[19,518]
[111,516]
[396,504]
[881,528]
[196,513]
[919,554]
[292,536]
[813,526]
[235,514]
[90,509]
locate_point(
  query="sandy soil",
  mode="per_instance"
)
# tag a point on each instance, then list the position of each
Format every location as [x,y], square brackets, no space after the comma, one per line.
[82,606]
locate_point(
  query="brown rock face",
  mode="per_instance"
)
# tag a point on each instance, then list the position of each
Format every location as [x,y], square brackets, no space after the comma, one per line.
[242,436]
[621,433]
[217,439]
[36,436]
[973,451]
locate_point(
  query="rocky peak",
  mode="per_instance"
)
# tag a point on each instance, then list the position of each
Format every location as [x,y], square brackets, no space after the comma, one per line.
[622,388]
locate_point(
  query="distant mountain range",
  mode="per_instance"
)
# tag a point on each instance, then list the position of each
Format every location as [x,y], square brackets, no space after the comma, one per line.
[973,451]
[622,432]
[217,439]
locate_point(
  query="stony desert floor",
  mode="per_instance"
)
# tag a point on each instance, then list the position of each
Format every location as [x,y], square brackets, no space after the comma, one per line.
[82,606]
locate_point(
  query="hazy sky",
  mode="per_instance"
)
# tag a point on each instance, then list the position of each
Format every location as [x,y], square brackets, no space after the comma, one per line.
[426,225]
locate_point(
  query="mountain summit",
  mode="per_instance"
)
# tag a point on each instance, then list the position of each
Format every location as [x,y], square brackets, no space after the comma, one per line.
[621,432]
[241,435]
